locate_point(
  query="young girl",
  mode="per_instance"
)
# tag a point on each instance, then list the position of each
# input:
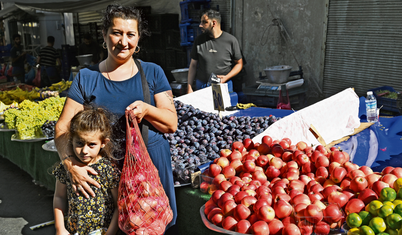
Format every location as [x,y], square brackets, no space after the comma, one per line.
[90,133]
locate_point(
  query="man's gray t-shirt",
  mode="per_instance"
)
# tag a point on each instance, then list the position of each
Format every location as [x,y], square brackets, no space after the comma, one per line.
[215,55]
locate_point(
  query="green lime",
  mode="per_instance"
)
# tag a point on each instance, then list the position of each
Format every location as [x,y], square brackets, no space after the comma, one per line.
[366,217]
[394,221]
[391,231]
[373,207]
[399,194]
[387,194]
[384,233]
[385,211]
[366,230]
[378,224]
[353,220]
[398,209]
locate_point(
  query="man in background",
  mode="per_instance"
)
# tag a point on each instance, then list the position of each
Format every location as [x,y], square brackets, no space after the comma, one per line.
[18,56]
[214,51]
[48,60]
[89,46]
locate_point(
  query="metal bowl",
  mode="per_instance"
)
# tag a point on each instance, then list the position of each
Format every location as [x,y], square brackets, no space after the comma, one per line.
[180,75]
[278,74]
[84,60]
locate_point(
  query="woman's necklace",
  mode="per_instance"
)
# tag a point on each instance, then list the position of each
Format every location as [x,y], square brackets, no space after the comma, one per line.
[107,71]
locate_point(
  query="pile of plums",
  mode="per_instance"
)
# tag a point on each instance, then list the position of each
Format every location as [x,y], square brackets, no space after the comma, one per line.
[201,135]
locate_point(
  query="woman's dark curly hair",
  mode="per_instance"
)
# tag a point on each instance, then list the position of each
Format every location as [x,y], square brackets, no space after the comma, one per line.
[124,12]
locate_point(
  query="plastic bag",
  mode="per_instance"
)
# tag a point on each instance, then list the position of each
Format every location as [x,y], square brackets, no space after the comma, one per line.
[143,205]
[283,103]
[36,81]
[30,76]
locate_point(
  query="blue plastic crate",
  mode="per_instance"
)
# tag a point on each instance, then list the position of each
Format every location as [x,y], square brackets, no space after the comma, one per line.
[191,9]
[196,31]
[189,32]
[184,34]
[387,103]
[186,44]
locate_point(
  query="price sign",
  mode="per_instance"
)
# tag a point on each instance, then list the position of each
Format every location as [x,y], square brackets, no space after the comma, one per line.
[217,97]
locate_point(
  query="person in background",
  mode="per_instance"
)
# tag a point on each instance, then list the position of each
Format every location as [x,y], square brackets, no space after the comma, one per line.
[116,84]
[89,135]
[18,58]
[214,51]
[89,46]
[48,60]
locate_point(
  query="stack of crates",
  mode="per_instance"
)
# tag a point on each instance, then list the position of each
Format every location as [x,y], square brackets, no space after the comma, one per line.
[163,45]
[68,60]
[191,11]
[81,29]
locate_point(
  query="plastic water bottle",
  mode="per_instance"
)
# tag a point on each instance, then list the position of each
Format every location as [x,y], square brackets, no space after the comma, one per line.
[371,107]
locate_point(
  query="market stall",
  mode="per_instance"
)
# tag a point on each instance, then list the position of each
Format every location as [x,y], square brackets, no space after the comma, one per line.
[376,146]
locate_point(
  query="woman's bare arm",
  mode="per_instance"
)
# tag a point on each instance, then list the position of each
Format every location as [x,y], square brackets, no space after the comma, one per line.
[163,117]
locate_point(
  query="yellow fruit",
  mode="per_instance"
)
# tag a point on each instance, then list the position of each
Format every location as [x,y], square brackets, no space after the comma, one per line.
[397,202]
[389,203]
[398,184]
[373,207]
[354,231]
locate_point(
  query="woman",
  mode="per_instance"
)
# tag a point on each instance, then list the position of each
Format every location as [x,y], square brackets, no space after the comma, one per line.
[115,84]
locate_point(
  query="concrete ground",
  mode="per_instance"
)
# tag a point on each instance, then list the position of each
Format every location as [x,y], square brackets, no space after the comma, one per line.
[22,203]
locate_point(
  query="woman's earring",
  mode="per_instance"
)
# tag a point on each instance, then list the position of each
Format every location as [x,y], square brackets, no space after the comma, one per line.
[136,51]
[104,45]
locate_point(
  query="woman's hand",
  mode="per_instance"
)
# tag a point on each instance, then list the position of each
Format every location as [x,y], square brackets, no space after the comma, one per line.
[62,232]
[80,179]
[139,108]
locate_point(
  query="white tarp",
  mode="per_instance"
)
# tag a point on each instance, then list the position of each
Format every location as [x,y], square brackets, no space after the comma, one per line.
[8,11]
[334,117]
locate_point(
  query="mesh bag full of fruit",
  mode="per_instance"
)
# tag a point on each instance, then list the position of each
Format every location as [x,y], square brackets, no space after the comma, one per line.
[143,205]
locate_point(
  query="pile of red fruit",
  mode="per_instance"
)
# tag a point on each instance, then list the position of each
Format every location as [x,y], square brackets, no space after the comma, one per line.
[274,187]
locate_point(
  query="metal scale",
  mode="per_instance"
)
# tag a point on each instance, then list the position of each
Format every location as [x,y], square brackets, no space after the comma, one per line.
[295,80]
[265,93]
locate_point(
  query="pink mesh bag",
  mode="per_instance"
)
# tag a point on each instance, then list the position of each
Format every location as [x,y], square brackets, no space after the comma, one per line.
[143,205]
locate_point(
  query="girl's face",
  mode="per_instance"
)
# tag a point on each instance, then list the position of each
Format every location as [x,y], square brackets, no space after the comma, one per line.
[122,38]
[87,146]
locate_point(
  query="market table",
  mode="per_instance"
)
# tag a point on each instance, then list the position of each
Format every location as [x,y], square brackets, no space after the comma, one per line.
[377,146]
[30,157]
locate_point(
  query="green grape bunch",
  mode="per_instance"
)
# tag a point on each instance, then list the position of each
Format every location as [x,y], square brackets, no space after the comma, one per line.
[30,117]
